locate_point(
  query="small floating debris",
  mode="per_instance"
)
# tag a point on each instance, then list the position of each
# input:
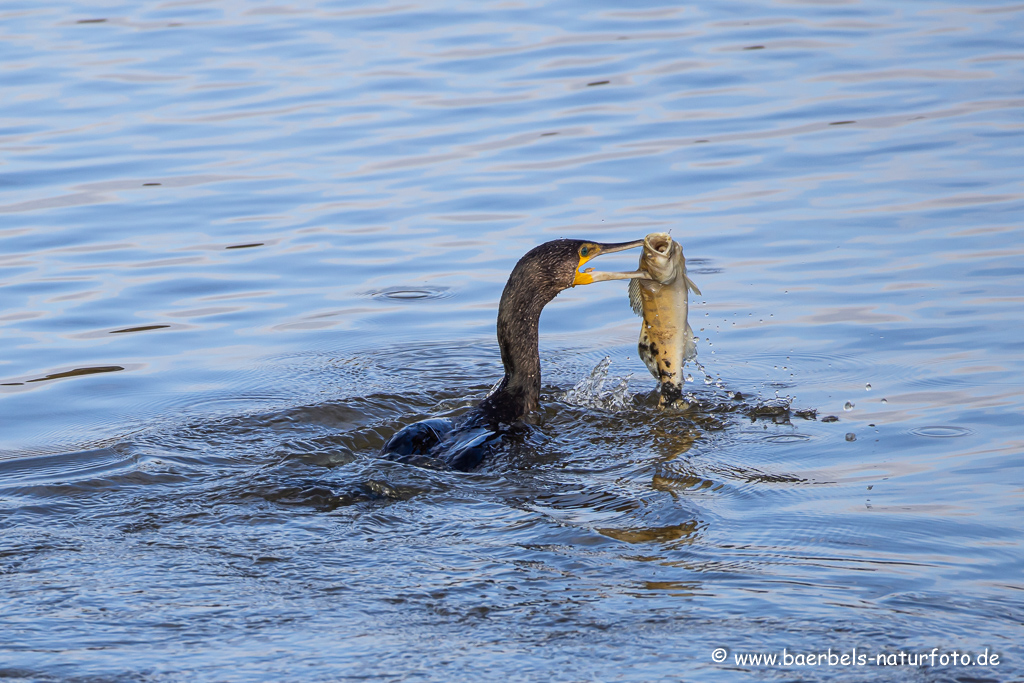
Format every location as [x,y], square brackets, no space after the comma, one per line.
[78,372]
[598,83]
[144,328]
[841,123]
[150,184]
[754,47]
[90,21]
[771,408]
[246,246]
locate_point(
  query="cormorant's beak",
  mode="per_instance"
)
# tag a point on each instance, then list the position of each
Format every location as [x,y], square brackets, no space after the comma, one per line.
[588,276]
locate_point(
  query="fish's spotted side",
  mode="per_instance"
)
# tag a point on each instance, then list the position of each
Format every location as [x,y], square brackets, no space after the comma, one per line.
[666,340]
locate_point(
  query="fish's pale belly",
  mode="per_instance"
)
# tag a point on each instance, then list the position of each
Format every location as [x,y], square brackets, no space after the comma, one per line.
[666,343]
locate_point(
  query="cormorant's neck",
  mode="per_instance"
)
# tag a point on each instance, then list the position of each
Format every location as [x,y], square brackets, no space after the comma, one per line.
[518,318]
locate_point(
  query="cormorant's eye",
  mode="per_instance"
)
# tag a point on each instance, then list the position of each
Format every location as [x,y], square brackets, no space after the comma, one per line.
[583,251]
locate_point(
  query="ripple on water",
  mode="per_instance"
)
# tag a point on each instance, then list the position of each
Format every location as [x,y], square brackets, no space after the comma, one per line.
[810,369]
[941,431]
[406,294]
[64,467]
[787,438]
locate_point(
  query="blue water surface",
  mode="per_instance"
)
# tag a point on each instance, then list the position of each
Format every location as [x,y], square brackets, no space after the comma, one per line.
[241,243]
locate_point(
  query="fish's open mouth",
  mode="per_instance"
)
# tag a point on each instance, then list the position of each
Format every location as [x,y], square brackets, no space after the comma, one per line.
[660,242]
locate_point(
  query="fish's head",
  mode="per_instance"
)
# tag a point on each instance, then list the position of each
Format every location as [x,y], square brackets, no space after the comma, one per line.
[661,257]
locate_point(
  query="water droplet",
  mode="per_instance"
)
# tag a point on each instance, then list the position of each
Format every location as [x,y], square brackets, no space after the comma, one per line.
[731,394]
[867,387]
[850,436]
[689,378]
[884,401]
[848,406]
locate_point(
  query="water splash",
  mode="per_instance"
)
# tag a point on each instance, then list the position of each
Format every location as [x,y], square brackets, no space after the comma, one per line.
[590,392]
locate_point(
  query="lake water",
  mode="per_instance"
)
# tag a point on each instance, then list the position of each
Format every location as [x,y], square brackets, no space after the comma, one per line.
[241,243]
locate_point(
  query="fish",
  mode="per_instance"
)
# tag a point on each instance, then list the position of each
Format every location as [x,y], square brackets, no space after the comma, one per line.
[666,339]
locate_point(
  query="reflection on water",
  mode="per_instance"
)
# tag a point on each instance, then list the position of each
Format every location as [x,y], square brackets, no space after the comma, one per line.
[242,244]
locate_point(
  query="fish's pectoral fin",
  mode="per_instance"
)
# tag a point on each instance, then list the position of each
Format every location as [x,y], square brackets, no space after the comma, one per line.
[636,302]
[690,345]
[693,287]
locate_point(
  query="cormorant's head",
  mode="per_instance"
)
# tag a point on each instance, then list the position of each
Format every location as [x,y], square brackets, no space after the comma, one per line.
[557,264]
[589,250]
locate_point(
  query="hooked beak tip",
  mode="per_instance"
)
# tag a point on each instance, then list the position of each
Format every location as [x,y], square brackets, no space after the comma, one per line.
[620,246]
[588,276]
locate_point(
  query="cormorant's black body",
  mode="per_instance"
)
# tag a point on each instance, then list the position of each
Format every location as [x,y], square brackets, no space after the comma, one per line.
[442,443]
[537,278]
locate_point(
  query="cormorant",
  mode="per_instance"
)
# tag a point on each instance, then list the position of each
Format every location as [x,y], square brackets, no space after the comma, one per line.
[536,279]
